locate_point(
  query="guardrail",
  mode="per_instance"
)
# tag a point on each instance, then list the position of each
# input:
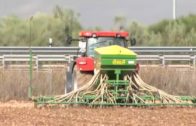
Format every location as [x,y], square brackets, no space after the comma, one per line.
[39,50]
[53,55]
[74,50]
[39,60]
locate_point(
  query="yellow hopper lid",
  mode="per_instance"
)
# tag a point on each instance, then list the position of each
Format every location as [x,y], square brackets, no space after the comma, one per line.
[114,50]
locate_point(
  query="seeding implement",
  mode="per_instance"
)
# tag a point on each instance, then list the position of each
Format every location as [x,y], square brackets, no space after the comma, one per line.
[113,78]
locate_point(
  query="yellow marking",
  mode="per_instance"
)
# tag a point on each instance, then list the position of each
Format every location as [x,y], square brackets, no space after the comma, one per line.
[118,62]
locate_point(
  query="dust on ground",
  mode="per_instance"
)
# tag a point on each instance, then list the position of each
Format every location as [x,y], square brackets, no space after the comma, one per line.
[16,113]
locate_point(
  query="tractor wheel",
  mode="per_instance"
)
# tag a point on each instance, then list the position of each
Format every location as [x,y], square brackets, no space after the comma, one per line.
[76,78]
[69,86]
[81,78]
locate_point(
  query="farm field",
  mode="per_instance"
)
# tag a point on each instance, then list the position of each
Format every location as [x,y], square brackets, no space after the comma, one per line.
[23,114]
[66,63]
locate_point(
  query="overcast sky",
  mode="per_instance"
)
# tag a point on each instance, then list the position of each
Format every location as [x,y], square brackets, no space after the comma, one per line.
[102,12]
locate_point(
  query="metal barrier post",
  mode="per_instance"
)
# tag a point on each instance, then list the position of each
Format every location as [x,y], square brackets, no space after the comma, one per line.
[30,74]
[194,61]
[163,60]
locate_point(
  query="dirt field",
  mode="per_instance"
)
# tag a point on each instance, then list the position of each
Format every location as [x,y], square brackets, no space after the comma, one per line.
[24,114]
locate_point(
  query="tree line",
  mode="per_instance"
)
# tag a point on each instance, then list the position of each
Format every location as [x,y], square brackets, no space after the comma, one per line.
[37,29]
[179,32]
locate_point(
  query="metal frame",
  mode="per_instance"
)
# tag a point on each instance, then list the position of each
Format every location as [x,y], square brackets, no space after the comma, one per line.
[119,88]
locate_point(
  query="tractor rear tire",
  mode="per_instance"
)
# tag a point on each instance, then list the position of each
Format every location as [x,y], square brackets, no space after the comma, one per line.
[69,86]
[76,78]
[81,78]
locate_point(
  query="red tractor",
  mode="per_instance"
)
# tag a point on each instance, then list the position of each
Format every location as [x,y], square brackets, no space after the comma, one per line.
[80,68]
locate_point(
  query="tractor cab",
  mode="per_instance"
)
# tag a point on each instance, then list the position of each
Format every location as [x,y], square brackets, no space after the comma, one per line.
[92,40]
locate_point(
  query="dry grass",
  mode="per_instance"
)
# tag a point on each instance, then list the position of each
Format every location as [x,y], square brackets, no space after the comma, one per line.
[177,81]
[14,83]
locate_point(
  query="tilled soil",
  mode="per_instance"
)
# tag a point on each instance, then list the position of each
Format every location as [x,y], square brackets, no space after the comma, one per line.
[24,114]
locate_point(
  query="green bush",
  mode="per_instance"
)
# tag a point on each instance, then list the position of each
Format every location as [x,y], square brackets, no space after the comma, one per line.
[36,30]
[181,32]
